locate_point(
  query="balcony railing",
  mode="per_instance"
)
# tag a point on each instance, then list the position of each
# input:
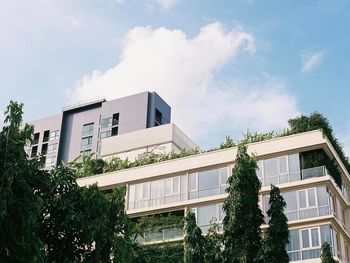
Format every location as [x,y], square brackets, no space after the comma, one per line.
[169,233]
[314,172]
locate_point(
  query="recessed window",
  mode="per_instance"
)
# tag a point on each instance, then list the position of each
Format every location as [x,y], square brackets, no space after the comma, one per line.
[159,118]
[36,138]
[46,136]
[114,131]
[88,129]
[115,119]
[44,149]
[54,135]
[86,143]
[85,153]
[34,151]
[105,134]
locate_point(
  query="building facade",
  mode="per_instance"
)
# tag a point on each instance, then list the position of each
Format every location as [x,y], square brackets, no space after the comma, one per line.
[81,129]
[318,209]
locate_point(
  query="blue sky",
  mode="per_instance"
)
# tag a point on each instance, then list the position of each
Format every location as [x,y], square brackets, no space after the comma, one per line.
[224,66]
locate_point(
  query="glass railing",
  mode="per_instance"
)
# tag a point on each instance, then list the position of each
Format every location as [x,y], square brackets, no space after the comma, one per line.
[169,233]
[149,202]
[314,172]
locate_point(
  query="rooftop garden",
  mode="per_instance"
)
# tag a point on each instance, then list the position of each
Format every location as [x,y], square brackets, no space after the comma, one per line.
[91,166]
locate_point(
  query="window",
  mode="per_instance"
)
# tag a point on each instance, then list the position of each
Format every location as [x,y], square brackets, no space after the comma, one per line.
[46,135]
[36,138]
[115,119]
[207,215]
[85,153]
[338,248]
[44,149]
[159,118]
[50,161]
[34,151]
[347,255]
[208,183]
[106,122]
[88,129]
[86,143]
[105,134]
[307,198]
[114,131]
[52,148]
[310,243]
[54,135]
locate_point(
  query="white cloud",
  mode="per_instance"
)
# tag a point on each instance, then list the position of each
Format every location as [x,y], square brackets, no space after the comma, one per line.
[310,61]
[182,70]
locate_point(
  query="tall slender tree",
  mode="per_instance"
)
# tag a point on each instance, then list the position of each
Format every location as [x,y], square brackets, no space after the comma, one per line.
[242,233]
[326,254]
[213,245]
[276,237]
[20,182]
[194,240]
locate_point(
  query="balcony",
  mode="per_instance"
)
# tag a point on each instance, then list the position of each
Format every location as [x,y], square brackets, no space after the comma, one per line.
[170,233]
[314,172]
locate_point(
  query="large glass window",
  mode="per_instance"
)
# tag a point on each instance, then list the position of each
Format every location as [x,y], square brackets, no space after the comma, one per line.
[106,122]
[52,148]
[207,215]
[54,135]
[279,170]
[306,243]
[208,183]
[306,203]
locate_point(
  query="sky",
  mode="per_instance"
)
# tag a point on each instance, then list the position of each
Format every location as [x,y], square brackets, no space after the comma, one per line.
[224,67]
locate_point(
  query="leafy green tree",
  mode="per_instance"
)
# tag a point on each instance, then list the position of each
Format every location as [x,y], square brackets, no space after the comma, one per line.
[276,237]
[63,219]
[109,230]
[326,254]
[213,245]
[194,241]
[242,232]
[20,183]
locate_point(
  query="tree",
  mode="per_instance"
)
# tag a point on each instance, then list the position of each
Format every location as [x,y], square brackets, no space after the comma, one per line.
[20,200]
[326,254]
[63,225]
[193,241]
[242,233]
[213,245]
[276,236]
[109,230]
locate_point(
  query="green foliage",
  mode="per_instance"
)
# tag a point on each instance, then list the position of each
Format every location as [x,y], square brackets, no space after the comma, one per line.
[20,184]
[276,237]
[194,243]
[63,221]
[229,143]
[87,165]
[317,158]
[252,137]
[242,233]
[213,245]
[167,252]
[317,121]
[159,221]
[326,254]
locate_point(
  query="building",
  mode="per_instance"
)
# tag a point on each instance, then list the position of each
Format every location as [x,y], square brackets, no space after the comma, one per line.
[317,208]
[81,129]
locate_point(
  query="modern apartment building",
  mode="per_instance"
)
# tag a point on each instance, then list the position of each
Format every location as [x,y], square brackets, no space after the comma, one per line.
[81,129]
[317,208]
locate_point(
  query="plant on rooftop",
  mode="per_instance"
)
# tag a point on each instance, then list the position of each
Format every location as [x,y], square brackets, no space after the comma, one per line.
[242,233]
[156,222]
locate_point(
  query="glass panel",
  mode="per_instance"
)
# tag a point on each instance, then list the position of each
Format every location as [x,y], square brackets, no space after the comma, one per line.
[270,167]
[145,190]
[259,169]
[294,165]
[193,182]
[223,176]
[175,185]
[322,196]
[305,238]
[208,179]
[206,214]
[302,199]
[314,237]
[167,186]
[293,244]
[326,234]
[311,196]
[283,164]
